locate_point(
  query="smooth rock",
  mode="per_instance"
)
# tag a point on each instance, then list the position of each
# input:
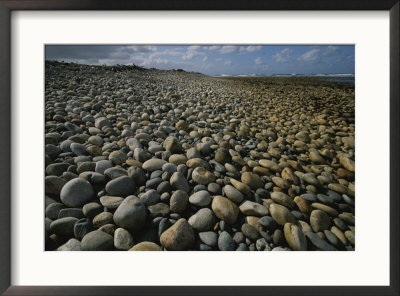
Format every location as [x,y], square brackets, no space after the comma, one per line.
[233,194]
[76,193]
[153,164]
[226,242]
[200,199]
[121,186]
[71,245]
[210,238]
[146,246]
[178,237]
[225,209]
[250,208]
[295,237]
[319,220]
[202,220]
[97,241]
[123,240]
[179,182]
[178,201]
[318,242]
[283,199]
[131,214]
[281,214]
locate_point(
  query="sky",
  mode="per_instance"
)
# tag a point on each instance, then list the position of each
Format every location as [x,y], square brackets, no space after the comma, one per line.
[215,59]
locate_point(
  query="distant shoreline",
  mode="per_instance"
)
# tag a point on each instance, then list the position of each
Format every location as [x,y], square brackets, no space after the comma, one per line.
[328,76]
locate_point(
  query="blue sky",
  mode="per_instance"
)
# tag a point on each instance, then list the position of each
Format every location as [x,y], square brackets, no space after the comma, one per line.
[215,59]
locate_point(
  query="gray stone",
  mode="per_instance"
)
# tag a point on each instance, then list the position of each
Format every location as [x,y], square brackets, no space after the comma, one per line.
[159,210]
[70,212]
[76,193]
[71,245]
[93,177]
[268,222]
[121,186]
[97,241]
[153,164]
[150,197]
[226,242]
[92,209]
[262,245]
[123,240]
[179,182]
[214,188]
[192,153]
[56,169]
[53,209]
[239,237]
[118,157]
[82,227]
[202,220]
[250,208]
[309,196]
[53,184]
[64,226]
[138,175]
[78,149]
[131,214]
[178,201]
[318,242]
[164,225]
[111,202]
[250,232]
[172,145]
[242,247]
[333,239]
[201,198]
[233,194]
[210,238]
[102,166]
[102,122]
[169,167]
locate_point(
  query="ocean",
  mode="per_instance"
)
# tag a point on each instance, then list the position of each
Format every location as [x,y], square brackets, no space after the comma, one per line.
[342,78]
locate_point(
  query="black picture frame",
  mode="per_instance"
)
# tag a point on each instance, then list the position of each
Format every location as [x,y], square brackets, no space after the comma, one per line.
[7,6]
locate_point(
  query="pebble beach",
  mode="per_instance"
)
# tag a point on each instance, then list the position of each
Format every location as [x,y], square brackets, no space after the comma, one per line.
[166,160]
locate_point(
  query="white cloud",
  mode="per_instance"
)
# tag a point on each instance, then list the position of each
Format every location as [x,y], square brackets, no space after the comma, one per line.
[260,64]
[140,48]
[250,48]
[258,61]
[193,47]
[228,49]
[312,55]
[283,55]
[205,58]
[228,62]
[192,52]
[214,47]
[218,59]
[330,50]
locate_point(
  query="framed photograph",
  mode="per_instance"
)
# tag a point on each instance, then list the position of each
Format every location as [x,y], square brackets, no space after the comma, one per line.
[252,147]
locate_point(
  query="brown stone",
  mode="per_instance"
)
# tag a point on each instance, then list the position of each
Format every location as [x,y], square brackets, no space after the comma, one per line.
[146,246]
[225,209]
[178,237]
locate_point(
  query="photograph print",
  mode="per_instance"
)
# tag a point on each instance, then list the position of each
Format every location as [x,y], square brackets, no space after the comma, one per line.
[199,147]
